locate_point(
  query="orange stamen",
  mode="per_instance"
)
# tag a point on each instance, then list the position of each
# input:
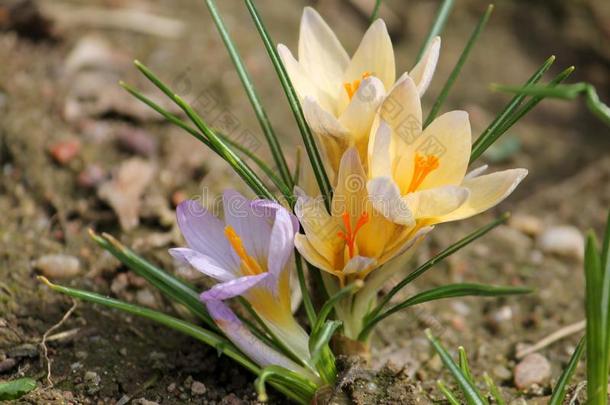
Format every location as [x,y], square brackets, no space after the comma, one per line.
[249,265]
[424,165]
[349,236]
[352,88]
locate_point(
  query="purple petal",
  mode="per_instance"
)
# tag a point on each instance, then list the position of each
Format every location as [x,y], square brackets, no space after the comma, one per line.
[252,347]
[281,243]
[204,233]
[232,288]
[202,263]
[272,205]
[253,228]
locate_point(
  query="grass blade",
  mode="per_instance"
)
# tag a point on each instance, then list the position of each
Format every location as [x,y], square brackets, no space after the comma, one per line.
[559,391]
[470,392]
[458,66]
[375,12]
[442,292]
[272,141]
[240,167]
[494,391]
[293,100]
[437,259]
[437,26]
[285,190]
[330,303]
[304,389]
[463,362]
[450,396]
[491,133]
[307,303]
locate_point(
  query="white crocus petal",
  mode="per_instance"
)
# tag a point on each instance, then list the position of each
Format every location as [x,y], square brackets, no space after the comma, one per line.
[375,55]
[436,202]
[302,82]
[351,186]
[320,52]
[476,172]
[448,138]
[322,122]
[387,201]
[204,264]
[321,229]
[310,254]
[487,191]
[424,70]
[380,158]
[358,264]
[361,110]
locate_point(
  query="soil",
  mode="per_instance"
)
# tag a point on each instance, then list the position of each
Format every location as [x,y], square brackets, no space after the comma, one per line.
[53,154]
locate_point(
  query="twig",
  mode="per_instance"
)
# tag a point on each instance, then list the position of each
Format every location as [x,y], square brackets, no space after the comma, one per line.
[552,338]
[43,344]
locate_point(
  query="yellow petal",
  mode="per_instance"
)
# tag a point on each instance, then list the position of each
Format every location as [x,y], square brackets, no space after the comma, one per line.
[320,228]
[302,83]
[360,112]
[448,138]
[375,55]
[387,201]
[436,202]
[424,70]
[379,156]
[312,255]
[320,52]
[350,192]
[486,191]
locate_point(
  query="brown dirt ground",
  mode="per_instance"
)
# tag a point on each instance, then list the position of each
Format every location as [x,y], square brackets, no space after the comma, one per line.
[44,210]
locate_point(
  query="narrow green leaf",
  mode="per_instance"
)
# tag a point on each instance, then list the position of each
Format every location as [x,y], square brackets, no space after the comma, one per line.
[437,26]
[559,391]
[491,133]
[240,167]
[458,66]
[12,390]
[272,141]
[435,260]
[450,396]
[463,362]
[318,342]
[330,303]
[302,390]
[375,12]
[468,389]
[534,100]
[442,292]
[493,390]
[293,100]
[174,288]
[307,303]
[286,191]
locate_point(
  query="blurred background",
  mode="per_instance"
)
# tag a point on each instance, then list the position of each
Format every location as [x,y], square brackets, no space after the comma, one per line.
[78,152]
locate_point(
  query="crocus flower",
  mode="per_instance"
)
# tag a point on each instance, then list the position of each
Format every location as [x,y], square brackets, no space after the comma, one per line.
[418,176]
[353,239]
[340,95]
[249,255]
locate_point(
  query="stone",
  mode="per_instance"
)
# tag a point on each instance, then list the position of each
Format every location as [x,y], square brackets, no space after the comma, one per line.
[564,240]
[198,388]
[527,224]
[533,369]
[58,266]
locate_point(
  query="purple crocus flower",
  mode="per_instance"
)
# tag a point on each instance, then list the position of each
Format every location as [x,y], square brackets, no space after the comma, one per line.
[249,254]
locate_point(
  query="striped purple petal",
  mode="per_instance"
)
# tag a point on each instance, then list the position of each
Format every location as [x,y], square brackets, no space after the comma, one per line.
[232,288]
[205,264]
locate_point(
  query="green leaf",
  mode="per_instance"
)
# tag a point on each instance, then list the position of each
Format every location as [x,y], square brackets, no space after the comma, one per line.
[493,389]
[15,389]
[330,303]
[442,292]
[468,389]
[272,141]
[429,264]
[301,389]
[493,131]
[458,66]
[559,391]
[307,303]
[437,26]
[375,12]
[450,396]
[321,355]
[293,100]
[240,167]
[463,362]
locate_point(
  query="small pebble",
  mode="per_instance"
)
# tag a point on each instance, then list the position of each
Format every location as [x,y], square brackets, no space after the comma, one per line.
[501,372]
[146,297]
[527,224]
[198,388]
[563,240]
[64,151]
[137,141]
[144,401]
[24,350]
[171,388]
[533,369]
[91,177]
[58,266]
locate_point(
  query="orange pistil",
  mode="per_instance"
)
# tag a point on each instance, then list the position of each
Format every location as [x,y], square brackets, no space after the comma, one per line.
[424,165]
[250,266]
[349,236]
[352,88]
